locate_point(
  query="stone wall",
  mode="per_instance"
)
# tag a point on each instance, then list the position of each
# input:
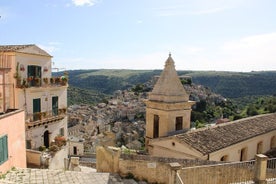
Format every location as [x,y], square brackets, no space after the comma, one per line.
[33,158]
[143,167]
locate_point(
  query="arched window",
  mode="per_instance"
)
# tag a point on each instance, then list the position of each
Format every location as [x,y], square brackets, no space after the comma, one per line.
[155,126]
[224,158]
[243,154]
[260,147]
[273,142]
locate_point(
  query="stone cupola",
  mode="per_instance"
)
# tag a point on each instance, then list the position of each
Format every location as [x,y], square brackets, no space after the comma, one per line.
[168,87]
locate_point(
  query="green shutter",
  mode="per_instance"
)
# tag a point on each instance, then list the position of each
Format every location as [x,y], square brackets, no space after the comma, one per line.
[3,149]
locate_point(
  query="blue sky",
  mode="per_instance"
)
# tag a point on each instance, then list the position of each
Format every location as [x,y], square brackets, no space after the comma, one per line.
[228,35]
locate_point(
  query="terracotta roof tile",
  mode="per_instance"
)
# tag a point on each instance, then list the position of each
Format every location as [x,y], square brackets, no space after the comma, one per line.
[20,48]
[208,140]
[13,48]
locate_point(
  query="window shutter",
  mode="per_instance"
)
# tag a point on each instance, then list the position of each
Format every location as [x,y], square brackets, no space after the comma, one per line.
[5,140]
[3,149]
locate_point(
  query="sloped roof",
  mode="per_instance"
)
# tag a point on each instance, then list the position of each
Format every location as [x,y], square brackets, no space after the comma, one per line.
[208,140]
[168,87]
[29,48]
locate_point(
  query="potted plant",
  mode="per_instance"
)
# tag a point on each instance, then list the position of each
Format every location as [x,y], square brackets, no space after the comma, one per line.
[64,80]
[60,140]
[37,81]
[46,80]
[57,80]
[52,80]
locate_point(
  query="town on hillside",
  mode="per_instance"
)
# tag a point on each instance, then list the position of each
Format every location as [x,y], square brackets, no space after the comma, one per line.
[167,130]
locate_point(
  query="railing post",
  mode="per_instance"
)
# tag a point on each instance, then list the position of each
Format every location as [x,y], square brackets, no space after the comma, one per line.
[260,169]
[174,167]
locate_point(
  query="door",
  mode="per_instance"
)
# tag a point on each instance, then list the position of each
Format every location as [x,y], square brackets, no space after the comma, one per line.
[34,74]
[55,105]
[36,109]
[46,138]
[75,150]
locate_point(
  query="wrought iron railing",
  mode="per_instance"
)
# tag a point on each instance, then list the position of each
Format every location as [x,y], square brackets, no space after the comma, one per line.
[41,118]
[271,170]
[41,82]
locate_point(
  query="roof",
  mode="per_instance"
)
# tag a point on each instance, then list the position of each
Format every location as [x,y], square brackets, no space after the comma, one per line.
[29,48]
[168,87]
[208,140]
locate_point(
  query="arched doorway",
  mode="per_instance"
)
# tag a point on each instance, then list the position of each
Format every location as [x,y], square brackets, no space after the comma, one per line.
[46,139]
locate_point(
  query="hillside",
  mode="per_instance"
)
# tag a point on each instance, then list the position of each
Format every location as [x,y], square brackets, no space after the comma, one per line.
[98,83]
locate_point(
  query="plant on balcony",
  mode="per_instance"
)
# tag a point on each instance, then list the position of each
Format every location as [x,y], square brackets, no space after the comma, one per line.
[57,80]
[60,140]
[52,80]
[37,81]
[46,80]
[30,78]
[24,83]
[62,110]
[53,148]
[43,114]
[64,80]
[17,76]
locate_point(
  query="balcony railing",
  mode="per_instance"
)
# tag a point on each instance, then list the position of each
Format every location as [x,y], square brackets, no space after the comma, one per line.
[44,82]
[42,118]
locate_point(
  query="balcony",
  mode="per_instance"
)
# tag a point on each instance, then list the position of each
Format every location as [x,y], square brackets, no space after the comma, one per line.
[44,118]
[44,82]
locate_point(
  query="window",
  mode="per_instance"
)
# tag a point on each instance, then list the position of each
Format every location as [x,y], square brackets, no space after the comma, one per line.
[224,158]
[273,142]
[179,123]
[61,131]
[28,144]
[260,147]
[36,109]
[34,75]
[243,155]
[156,126]
[55,105]
[3,149]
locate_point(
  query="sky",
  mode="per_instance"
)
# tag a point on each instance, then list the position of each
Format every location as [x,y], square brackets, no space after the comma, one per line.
[221,35]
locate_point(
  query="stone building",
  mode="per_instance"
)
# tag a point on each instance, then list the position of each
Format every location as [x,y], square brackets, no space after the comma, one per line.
[168,122]
[168,108]
[12,126]
[33,89]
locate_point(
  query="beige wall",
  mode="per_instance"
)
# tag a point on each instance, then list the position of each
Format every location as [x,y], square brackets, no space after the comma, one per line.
[26,59]
[78,145]
[167,113]
[33,157]
[45,94]
[233,152]
[109,161]
[36,134]
[169,147]
[13,125]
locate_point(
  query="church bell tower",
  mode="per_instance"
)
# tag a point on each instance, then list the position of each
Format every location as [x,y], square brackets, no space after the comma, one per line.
[168,108]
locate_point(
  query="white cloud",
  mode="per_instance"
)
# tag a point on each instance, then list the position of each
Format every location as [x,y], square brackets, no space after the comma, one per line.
[255,52]
[84,2]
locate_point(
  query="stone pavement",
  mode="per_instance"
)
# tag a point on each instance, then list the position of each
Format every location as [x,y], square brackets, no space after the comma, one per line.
[45,176]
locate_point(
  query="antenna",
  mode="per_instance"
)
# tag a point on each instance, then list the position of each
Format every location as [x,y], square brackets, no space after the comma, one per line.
[57,69]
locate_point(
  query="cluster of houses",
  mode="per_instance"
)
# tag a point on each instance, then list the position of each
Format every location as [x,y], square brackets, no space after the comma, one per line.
[33,117]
